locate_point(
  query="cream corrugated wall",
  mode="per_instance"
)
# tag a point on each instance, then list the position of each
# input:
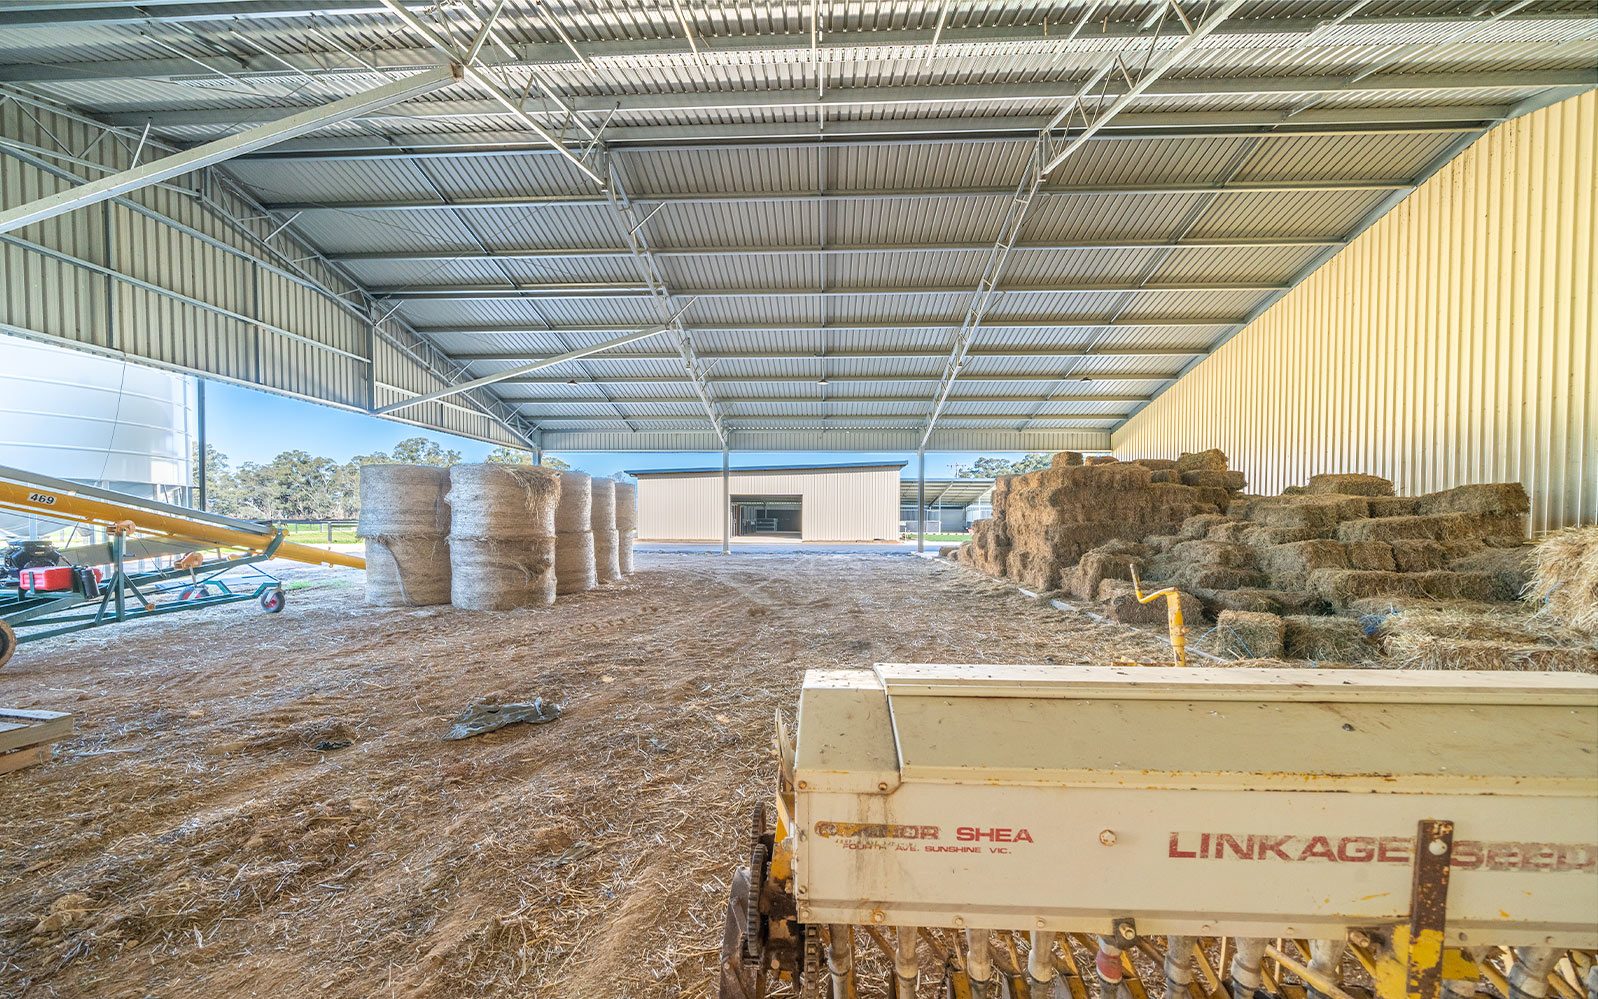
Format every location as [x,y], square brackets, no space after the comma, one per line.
[1453,342]
[840,505]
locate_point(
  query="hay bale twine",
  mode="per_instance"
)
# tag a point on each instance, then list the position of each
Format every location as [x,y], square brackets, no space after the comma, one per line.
[602,516]
[607,555]
[501,573]
[574,562]
[502,502]
[407,570]
[624,552]
[575,507]
[626,506]
[403,499]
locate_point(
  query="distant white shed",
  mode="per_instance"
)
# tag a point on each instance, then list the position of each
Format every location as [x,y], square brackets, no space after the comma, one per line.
[848,502]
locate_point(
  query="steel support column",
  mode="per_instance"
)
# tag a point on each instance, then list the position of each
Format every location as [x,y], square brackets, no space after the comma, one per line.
[921,499]
[188,161]
[726,501]
[199,410]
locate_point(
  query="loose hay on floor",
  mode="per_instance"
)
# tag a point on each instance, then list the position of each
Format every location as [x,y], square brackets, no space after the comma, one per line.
[193,839]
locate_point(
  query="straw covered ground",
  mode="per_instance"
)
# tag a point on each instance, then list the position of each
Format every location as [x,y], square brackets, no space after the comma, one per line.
[209,832]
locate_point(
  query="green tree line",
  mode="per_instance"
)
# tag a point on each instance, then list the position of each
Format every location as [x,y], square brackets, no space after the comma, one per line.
[297,485]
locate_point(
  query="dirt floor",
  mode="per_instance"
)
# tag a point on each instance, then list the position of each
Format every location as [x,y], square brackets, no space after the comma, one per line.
[204,834]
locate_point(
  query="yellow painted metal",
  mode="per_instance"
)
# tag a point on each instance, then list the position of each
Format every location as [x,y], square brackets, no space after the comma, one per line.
[88,510]
[1455,341]
[1173,615]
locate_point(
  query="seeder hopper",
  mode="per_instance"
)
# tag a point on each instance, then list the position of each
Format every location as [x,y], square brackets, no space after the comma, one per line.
[1056,832]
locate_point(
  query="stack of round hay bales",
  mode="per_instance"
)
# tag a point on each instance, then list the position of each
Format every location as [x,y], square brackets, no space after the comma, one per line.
[606,560]
[626,524]
[574,538]
[502,536]
[405,523]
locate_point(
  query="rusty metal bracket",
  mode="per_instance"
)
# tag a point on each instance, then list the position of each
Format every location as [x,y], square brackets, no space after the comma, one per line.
[1428,908]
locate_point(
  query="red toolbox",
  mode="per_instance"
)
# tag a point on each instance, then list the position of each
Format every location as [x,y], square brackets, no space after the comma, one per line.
[49,578]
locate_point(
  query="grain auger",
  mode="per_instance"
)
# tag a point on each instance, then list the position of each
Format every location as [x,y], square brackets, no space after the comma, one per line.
[1064,832]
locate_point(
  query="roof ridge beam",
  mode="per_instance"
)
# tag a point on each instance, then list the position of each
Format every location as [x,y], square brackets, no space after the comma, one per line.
[463,293]
[586,253]
[521,201]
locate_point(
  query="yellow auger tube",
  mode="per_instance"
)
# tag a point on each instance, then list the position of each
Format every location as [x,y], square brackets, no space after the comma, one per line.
[1173,615]
[76,508]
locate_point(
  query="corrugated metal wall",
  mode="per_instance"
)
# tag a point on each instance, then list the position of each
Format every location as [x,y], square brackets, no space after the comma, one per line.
[855,504]
[1453,342]
[189,276]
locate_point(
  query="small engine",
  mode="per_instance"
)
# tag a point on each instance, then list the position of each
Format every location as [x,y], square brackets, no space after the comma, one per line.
[18,555]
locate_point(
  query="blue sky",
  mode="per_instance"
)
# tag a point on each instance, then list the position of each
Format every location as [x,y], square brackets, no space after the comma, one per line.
[249,425]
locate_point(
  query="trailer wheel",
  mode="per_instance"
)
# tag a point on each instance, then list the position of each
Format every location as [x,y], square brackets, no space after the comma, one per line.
[8,643]
[195,592]
[272,601]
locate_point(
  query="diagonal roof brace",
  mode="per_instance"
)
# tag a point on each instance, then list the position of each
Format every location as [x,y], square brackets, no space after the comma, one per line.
[211,153]
[1044,160]
[546,362]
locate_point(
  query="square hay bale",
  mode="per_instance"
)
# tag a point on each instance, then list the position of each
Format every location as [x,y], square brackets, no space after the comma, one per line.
[1230,481]
[1512,625]
[1247,599]
[1374,556]
[1232,532]
[1466,547]
[1290,564]
[1218,498]
[1338,639]
[1064,459]
[1510,568]
[1212,460]
[1432,527]
[1158,464]
[1112,561]
[1215,553]
[1165,475]
[1417,555]
[1564,579]
[1393,506]
[1125,608]
[1319,513]
[1202,579]
[1256,536]
[949,551]
[1246,635]
[1340,587]
[1102,459]
[1409,650]
[1198,526]
[1300,603]
[1386,605]
[1349,485]
[1162,542]
[1502,499]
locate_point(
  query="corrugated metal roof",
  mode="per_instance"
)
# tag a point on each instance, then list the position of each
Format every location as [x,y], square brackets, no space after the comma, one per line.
[776,177]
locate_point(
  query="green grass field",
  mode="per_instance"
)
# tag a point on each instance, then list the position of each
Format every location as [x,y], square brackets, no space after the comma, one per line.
[311,534]
[941,537]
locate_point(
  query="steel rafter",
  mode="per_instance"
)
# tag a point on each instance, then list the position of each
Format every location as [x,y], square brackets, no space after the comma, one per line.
[1045,159]
[211,153]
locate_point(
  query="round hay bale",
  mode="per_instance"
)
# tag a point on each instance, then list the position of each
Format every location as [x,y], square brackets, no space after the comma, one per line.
[575,508]
[500,573]
[624,552]
[626,506]
[403,500]
[574,562]
[407,570]
[607,558]
[603,516]
[509,502]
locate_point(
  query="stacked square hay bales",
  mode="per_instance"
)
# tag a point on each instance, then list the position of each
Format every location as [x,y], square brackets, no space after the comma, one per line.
[1284,576]
[1044,522]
